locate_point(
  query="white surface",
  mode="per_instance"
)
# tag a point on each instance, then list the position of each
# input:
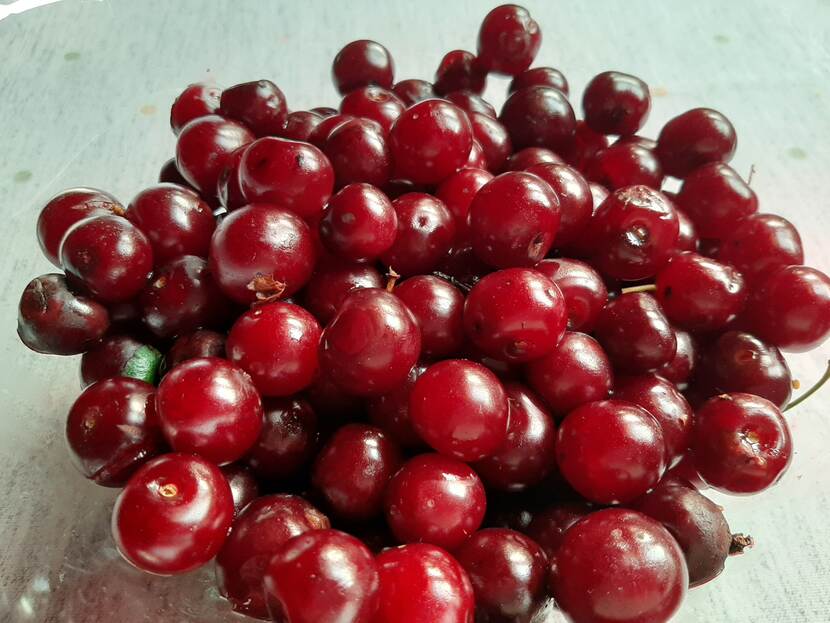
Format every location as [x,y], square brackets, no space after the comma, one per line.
[85,89]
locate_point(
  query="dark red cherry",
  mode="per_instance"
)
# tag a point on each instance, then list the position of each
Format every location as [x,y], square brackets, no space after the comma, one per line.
[457,192]
[687,239]
[625,164]
[320,134]
[426,230]
[260,105]
[51,319]
[195,345]
[359,152]
[476,159]
[412,91]
[462,264]
[331,401]
[459,70]
[197,100]
[471,102]
[244,487]
[549,526]
[288,439]
[169,174]
[508,40]
[575,201]
[696,137]
[375,103]
[332,281]
[495,143]
[438,307]
[360,223]
[618,565]
[361,63]
[391,411]
[539,76]
[539,117]
[531,156]
[616,103]
[119,355]
[584,290]
[324,111]
[740,443]
[435,499]
[760,244]
[173,515]
[300,124]
[716,199]
[585,145]
[679,370]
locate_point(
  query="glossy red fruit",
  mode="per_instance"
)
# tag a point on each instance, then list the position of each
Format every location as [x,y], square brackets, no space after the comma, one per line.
[422,583]
[195,345]
[371,344]
[549,526]
[583,289]
[435,499]
[457,193]
[173,515]
[516,315]
[324,576]
[197,100]
[585,145]
[169,174]
[493,138]
[471,102]
[575,201]
[332,281]
[361,63]
[111,357]
[328,125]
[413,90]
[288,440]
[459,70]
[740,443]
[539,117]
[687,238]
[508,40]
[476,159]
[51,319]
[438,307]
[618,565]
[625,164]
[616,103]
[260,105]
[681,367]
[576,372]
[359,152]
[244,487]
[260,531]
[716,198]
[525,158]
[210,407]
[375,103]
[390,411]
[539,76]
[261,252]
[760,244]
[460,409]
[300,124]
[696,137]
[360,223]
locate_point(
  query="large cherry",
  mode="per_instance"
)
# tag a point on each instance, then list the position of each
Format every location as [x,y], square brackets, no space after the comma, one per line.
[438,306]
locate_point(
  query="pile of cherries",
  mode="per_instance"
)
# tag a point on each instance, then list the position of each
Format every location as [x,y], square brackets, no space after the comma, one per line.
[489,350]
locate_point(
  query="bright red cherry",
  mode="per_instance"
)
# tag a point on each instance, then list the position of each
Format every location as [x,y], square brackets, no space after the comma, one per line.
[360,223]
[260,105]
[195,345]
[716,199]
[549,526]
[457,193]
[539,117]
[391,411]
[197,100]
[173,515]
[438,307]
[118,355]
[539,76]
[359,152]
[459,70]
[288,439]
[584,290]
[525,158]
[760,244]
[575,201]
[471,102]
[361,63]
[300,124]
[375,103]
[332,281]
[616,103]
[625,164]
[680,368]
[493,138]
[508,40]
[412,91]
[696,137]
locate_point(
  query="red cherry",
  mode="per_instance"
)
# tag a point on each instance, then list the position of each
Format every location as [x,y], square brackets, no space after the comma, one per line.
[539,117]
[549,527]
[625,164]
[575,201]
[391,411]
[583,289]
[360,223]
[288,439]
[539,76]
[260,105]
[508,40]
[681,367]
[195,345]
[471,102]
[696,137]
[687,239]
[459,70]
[359,152]
[438,307]
[109,358]
[760,244]
[169,174]
[244,487]
[361,63]
[332,281]
[716,199]
[413,91]
[197,100]
[585,145]
[616,103]
[493,138]
[300,124]
[228,190]
[457,193]
[375,103]
[531,156]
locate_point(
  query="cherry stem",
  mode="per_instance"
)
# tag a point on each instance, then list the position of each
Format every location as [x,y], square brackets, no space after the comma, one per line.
[751,175]
[824,378]
[391,279]
[461,285]
[649,287]
[739,543]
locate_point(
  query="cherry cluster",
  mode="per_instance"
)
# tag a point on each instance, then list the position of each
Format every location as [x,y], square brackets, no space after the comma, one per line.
[490,348]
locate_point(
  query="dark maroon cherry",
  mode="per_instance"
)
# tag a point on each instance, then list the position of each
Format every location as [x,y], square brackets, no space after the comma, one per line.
[287,442]
[331,401]
[508,40]
[459,70]
[625,164]
[361,63]
[244,487]
[539,76]
[260,105]
[549,526]
[575,201]
[300,124]
[681,367]
[197,100]
[584,290]
[375,103]
[391,411]
[696,137]
[495,143]
[616,103]
[359,152]
[539,116]
[760,244]
[332,281]
[471,102]
[360,223]
[525,158]
[462,264]
[169,174]
[438,307]
[716,199]
[412,91]
[195,345]
[118,355]
[585,145]
[457,192]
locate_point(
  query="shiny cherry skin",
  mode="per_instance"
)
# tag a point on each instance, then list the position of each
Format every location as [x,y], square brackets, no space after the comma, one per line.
[228,190]
[210,407]
[430,141]
[260,105]
[65,209]
[625,164]
[635,333]
[359,152]
[360,223]
[790,309]
[175,219]
[476,159]
[288,440]
[435,499]
[740,443]
[635,232]
[276,344]
[371,344]
[300,124]
[324,576]
[390,411]
[173,515]
[457,193]
[471,102]
[548,527]
[462,264]
[527,456]
[324,129]
[760,244]
[525,158]
[576,372]
[611,451]
[108,358]
[201,343]
[616,103]
[695,138]
[575,201]
[324,111]
[459,70]
[375,103]
[687,238]
[53,320]
[508,572]
[244,487]
[169,174]
[493,138]
[260,531]
[353,469]
[539,116]
[516,315]
[112,430]
[521,236]
[261,251]
[618,565]
[585,145]
[681,367]
[508,40]
[332,281]
[413,90]
[109,256]
[197,100]
[700,294]
[663,401]
[426,230]
[361,63]
[421,583]
[584,290]
[716,198]
[539,76]
[460,408]
[294,175]
[204,148]
[438,307]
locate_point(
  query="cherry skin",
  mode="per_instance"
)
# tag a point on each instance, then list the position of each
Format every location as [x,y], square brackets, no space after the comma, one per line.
[539,116]
[521,236]
[459,70]
[197,100]
[244,487]
[471,102]
[687,239]
[328,125]
[549,526]
[527,456]
[109,358]
[616,103]
[583,289]
[260,105]
[695,138]
[210,407]
[508,40]
[460,408]
[412,91]
[228,190]
[375,103]
[390,411]
[586,144]
[169,174]
[108,256]
[760,244]
[576,372]
[435,499]
[324,576]
[360,223]
[65,209]
[359,152]
[525,158]
[516,315]
[300,124]
[493,138]
[194,345]
[618,565]
[507,571]
[575,201]
[430,141]
[625,164]
[438,307]
[332,281]
[324,111]
[740,443]
[261,251]
[53,320]
[173,515]
[291,174]
[426,230]
[421,583]
[681,367]
[457,193]
[276,344]
[539,76]
[716,199]
[476,159]
[288,439]
[361,63]
[260,531]
[371,344]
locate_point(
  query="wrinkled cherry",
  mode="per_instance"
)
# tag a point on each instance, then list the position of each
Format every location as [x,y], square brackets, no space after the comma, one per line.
[332,281]
[391,411]
[288,439]
[539,116]
[575,201]
[492,136]
[197,100]
[681,367]
[359,152]
[549,526]
[360,223]
[361,63]
[438,307]
[716,199]
[616,103]
[195,345]
[584,290]
[413,90]
[457,192]
[508,40]
[760,244]
[260,105]
[625,164]
[539,76]
[375,103]
[696,137]
[459,70]
[525,158]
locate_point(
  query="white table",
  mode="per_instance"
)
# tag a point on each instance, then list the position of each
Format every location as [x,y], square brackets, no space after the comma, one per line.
[86,88]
